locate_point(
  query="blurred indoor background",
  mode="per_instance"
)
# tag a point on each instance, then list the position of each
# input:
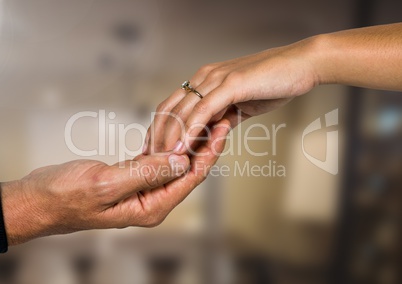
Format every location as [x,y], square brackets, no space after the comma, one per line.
[59,57]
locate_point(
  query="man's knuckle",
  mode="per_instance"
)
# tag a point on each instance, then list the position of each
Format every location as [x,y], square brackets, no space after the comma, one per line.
[124,221]
[102,180]
[155,221]
[151,180]
[122,224]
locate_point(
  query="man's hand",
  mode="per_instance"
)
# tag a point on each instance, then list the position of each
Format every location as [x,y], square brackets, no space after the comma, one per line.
[88,194]
[85,194]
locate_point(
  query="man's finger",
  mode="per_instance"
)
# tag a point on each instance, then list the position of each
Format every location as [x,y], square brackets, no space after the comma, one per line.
[148,172]
[201,163]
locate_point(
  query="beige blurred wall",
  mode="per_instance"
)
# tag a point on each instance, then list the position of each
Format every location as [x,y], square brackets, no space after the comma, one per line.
[261,209]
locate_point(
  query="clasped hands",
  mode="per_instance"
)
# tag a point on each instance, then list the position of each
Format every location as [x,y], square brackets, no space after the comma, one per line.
[86,194]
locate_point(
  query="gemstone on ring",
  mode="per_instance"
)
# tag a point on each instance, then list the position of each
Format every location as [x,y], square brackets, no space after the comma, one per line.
[186,86]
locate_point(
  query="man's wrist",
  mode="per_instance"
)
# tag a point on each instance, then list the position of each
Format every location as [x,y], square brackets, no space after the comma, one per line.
[22,220]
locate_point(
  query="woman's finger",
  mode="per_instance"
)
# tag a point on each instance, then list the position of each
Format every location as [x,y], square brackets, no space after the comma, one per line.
[202,113]
[155,132]
[175,124]
[154,141]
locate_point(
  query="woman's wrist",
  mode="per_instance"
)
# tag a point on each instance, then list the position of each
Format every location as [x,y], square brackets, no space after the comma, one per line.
[320,54]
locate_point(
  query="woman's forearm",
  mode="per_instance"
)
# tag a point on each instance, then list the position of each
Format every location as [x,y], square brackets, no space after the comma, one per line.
[367,57]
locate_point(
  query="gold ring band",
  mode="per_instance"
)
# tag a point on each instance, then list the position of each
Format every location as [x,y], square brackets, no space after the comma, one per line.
[197,93]
[187,87]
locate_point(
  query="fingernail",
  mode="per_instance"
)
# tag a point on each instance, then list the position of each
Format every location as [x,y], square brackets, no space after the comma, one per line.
[145,148]
[179,164]
[178,146]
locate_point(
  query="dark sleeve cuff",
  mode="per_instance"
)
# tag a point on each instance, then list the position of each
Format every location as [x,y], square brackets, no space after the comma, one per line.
[3,234]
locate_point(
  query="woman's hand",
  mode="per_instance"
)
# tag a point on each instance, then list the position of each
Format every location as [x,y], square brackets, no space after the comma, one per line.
[236,90]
